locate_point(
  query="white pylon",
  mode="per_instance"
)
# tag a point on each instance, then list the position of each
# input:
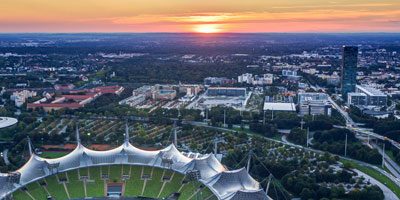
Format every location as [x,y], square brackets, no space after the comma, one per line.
[224,117]
[175,135]
[78,138]
[269,182]
[126,133]
[383,155]
[249,161]
[345,146]
[30,147]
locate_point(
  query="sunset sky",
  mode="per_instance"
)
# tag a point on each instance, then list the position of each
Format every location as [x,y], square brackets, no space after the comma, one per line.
[206,16]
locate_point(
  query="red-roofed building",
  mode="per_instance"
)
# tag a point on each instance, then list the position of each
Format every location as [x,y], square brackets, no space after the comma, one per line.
[75,99]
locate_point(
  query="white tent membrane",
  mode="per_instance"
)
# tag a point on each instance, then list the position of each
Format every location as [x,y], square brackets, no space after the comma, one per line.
[225,184]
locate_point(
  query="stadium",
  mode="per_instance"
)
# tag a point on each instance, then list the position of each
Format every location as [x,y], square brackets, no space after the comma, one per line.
[127,172]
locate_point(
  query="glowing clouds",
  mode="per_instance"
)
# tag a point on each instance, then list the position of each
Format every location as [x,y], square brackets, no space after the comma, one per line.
[207,28]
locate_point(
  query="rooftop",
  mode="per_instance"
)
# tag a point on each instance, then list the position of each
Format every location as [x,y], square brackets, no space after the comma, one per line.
[279,106]
[370,90]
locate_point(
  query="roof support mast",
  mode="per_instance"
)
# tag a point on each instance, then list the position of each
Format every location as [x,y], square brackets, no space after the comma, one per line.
[175,135]
[126,133]
[30,146]
[269,182]
[249,160]
[78,139]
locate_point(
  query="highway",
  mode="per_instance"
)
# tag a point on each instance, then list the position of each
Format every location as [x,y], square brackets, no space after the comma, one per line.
[352,126]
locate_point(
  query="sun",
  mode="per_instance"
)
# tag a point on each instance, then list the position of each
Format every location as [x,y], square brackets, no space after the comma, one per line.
[207,28]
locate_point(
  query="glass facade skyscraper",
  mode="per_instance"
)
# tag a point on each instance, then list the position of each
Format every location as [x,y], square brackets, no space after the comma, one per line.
[349,70]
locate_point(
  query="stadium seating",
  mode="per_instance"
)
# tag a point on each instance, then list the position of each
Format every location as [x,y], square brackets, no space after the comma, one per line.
[37,191]
[173,185]
[206,194]
[84,172]
[75,186]
[188,190]
[55,188]
[143,181]
[134,185]
[21,195]
[95,185]
[153,185]
[115,173]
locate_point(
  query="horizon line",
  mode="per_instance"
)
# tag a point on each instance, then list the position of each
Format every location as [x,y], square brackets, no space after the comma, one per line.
[196,33]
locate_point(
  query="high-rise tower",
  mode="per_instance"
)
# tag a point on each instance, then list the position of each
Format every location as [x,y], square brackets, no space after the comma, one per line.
[349,69]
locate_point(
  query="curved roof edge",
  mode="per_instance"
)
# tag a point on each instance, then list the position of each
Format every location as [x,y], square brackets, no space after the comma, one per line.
[7,121]
[212,173]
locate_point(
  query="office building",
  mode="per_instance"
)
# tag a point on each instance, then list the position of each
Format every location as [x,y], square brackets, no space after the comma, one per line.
[367,96]
[246,78]
[314,104]
[356,99]
[279,103]
[349,69]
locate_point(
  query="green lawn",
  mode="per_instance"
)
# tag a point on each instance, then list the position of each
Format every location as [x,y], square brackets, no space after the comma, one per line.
[134,185]
[75,186]
[154,185]
[375,174]
[56,189]
[53,154]
[95,187]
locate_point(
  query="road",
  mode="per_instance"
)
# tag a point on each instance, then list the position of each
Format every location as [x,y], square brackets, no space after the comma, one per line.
[389,194]
[389,163]
[346,116]
[352,126]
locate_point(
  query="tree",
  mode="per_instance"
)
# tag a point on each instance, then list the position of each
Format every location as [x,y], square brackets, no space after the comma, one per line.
[307,194]
[298,136]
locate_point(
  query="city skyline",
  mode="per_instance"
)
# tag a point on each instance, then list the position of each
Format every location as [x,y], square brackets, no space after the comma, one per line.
[199,17]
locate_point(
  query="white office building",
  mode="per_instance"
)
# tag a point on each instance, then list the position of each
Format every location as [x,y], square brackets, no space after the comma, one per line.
[367,96]
[313,103]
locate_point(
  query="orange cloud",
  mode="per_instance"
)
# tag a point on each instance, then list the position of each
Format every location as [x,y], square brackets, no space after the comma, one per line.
[207,15]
